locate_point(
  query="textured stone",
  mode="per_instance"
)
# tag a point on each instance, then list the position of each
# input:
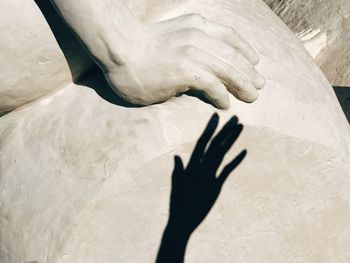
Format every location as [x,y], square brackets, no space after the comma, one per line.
[323,26]
[86,180]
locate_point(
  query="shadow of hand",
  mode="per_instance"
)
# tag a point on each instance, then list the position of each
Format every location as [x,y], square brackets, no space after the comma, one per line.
[196,187]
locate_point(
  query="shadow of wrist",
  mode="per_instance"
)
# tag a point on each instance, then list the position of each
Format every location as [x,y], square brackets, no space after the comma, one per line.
[179,230]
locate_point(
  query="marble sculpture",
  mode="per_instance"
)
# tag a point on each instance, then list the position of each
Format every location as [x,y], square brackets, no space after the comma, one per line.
[85,176]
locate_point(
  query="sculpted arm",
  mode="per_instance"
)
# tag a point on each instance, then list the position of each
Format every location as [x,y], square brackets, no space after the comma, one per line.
[146,64]
[106,27]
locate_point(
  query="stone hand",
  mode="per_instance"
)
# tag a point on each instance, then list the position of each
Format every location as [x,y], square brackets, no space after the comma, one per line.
[187,53]
[146,64]
[196,187]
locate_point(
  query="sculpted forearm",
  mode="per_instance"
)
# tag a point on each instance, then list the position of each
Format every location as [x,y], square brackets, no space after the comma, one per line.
[105,27]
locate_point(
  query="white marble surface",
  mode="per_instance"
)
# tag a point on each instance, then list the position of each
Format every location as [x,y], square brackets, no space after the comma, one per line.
[31,62]
[84,180]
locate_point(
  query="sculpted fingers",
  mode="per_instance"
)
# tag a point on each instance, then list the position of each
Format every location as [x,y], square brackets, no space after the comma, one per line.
[235,81]
[219,49]
[216,30]
[255,77]
[217,62]
[226,34]
[230,36]
[207,84]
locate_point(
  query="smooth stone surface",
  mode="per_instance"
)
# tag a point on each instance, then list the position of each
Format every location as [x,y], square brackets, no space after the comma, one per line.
[31,61]
[84,180]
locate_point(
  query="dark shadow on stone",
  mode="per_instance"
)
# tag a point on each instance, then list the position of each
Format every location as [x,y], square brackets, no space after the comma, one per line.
[77,58]
[199,95]
[98,83]
[343,95]
[196,187]
[83,69]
